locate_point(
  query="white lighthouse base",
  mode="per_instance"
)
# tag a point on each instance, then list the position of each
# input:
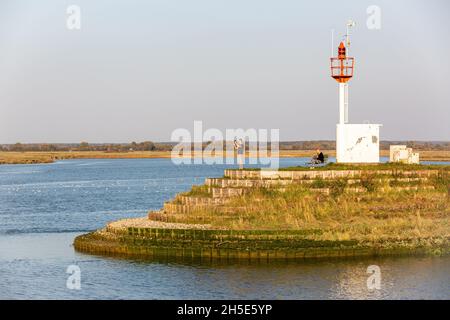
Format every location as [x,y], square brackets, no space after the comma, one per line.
[358,143]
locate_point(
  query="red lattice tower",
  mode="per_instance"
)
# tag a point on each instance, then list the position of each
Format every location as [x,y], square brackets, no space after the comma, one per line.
[342,66]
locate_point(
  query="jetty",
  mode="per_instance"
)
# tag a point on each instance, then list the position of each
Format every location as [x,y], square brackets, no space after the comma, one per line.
[292,214]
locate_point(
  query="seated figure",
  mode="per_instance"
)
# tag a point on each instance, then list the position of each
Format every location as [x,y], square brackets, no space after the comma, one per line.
[318,158]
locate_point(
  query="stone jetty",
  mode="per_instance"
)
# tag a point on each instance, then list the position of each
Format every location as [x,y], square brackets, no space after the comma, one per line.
[196,225]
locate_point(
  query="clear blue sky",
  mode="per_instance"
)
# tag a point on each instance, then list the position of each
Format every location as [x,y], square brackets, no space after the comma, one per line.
[137,70]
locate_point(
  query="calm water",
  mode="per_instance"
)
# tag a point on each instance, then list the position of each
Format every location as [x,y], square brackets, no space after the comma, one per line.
[43,207]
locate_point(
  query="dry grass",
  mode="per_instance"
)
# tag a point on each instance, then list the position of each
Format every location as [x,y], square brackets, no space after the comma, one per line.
[25,157]
[435,155]
[46,157]
[372,216]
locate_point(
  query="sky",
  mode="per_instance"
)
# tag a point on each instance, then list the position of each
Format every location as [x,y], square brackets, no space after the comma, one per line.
[138,70]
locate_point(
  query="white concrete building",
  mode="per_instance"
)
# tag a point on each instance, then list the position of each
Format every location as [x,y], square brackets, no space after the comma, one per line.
[358,143]
[400,153]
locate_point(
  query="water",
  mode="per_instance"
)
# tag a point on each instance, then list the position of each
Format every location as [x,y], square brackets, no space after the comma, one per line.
[43,207]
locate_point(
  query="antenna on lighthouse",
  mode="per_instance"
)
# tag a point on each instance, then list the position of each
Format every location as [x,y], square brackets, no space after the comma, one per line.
[332,42]
[350,24]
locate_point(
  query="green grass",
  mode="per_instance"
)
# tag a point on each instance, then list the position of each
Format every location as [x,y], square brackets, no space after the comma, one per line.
[442,181]
[368,167]
[369,182]
[198,191]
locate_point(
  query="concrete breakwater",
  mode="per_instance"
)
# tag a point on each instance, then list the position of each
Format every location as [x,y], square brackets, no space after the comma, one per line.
[229,245]
[221,220]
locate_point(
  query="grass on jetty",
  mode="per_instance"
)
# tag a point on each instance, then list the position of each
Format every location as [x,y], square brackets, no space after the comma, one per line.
[198,191]
[368,167]
[382,212]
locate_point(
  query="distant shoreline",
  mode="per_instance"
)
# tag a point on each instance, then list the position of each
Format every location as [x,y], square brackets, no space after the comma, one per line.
[32,157]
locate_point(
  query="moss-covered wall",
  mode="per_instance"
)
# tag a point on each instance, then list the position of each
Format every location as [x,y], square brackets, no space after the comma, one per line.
[249,245]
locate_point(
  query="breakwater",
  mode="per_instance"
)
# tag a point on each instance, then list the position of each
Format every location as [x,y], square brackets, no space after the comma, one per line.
[224,219]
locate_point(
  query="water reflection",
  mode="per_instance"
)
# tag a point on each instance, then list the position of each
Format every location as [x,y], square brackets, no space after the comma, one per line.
[42,275]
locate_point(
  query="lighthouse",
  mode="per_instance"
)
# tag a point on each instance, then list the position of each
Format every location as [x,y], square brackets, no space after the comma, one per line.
[355,143]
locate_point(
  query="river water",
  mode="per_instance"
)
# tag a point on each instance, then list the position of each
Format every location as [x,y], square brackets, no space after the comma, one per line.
[43,207]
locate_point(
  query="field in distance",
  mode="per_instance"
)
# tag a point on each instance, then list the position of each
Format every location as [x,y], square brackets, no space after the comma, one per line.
[9,157]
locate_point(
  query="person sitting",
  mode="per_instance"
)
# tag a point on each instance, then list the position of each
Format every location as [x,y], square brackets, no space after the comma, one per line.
[318,158]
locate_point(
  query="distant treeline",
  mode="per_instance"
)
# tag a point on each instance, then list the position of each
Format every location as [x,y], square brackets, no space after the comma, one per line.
[167,146]
[384,145]
[85,146]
